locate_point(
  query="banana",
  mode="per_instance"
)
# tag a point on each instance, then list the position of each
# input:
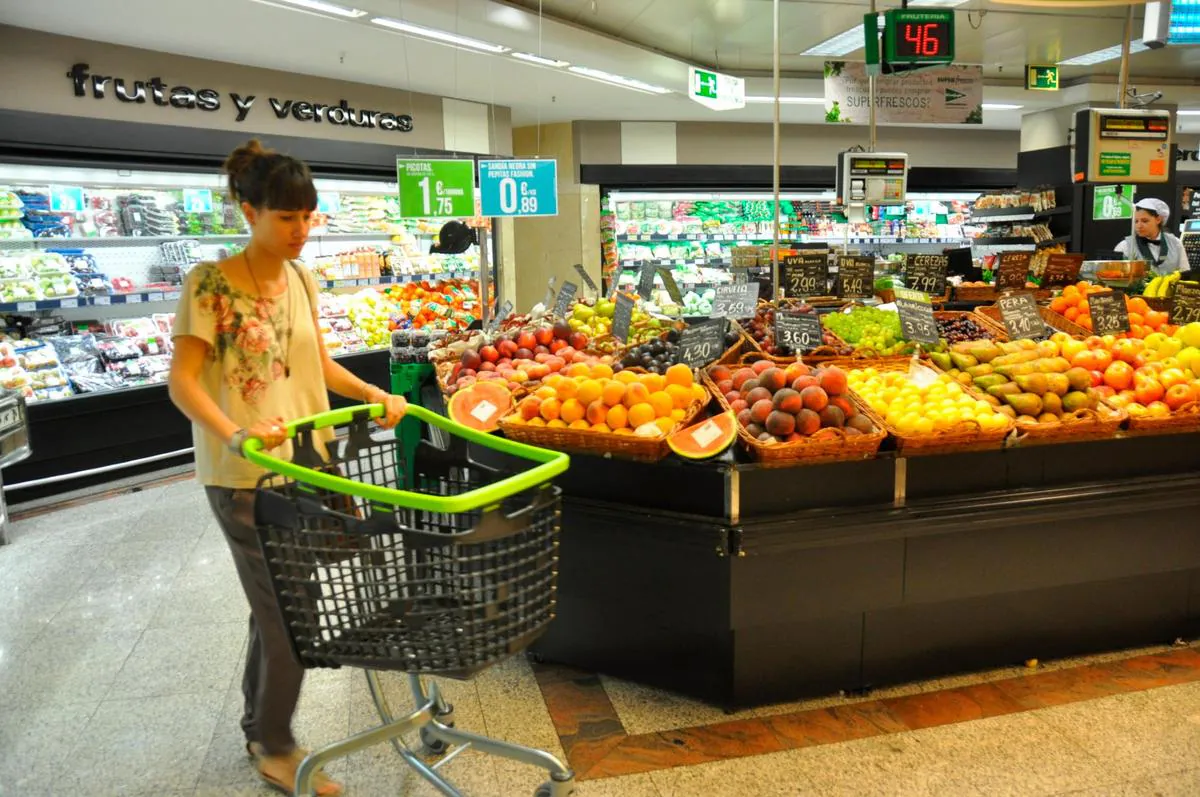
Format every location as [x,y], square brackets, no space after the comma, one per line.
[1153,288]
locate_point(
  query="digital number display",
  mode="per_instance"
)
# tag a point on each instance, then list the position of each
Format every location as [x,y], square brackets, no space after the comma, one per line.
[919,36]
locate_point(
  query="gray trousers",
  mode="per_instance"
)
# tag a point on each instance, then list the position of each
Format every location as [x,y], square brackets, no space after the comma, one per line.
[271,682]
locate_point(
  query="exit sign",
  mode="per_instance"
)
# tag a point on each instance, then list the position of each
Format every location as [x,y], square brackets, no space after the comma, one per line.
[1041,78]
[716,91]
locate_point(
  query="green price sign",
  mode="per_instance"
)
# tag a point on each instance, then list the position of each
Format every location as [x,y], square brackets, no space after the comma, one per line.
[436,188]
[1113,202]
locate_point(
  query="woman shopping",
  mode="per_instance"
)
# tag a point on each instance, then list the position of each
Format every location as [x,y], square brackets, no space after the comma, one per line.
[1151,242]
[248,355]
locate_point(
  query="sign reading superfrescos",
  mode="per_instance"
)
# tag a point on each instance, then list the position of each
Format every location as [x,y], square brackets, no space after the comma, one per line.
[939,95]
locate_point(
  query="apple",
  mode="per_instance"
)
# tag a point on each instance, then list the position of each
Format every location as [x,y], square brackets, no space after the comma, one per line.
[1178,395]
[1118,375]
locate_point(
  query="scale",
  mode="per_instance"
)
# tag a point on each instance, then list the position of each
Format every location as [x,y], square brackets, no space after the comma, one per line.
[1117,145]
[871,178]
[1189,236]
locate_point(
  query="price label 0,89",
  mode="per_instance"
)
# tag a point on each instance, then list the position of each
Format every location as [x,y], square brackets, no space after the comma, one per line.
[701,343]
[926,274]
[856,277]
[1013,270]
[622,317]
[735,301]
[805,274]
[1021,316]
[1185,308]
[916,317]
[798,333]
[1110,316]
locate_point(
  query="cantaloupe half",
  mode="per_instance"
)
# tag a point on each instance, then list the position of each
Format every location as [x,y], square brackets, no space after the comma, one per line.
[705,439]
[480,406]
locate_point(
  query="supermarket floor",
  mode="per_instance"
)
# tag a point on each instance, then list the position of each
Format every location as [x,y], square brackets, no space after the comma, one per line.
[122,630]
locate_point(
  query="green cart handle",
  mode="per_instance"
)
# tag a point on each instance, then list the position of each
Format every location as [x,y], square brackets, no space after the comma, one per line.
[551,464]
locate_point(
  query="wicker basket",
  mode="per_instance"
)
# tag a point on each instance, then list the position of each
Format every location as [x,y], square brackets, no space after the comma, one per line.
[997,328]
[994,331]
[744,343]
[1103,422]
[1183,420]
[975,293]
[968,437]
[1053,320]
[1161,304]
[837,447]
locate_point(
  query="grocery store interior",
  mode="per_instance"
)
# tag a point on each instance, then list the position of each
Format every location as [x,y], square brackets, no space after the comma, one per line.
[803,399]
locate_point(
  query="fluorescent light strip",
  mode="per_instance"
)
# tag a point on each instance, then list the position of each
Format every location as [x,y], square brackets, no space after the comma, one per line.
[788,100]
[1000,106]
[321,6]
[1107,54]
[539,60]
[842,44]
[439,35]
[617,80]
[1188,113]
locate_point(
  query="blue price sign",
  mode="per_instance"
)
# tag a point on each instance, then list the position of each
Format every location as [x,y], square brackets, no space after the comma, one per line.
[329,202]
[66,198]
[519,188]
[197,200]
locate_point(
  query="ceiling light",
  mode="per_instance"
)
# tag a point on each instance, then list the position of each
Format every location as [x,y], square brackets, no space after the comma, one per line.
[537,59]
[1000,106]
[841,44]
[789,100]
[1107,54]
[439,35]
[322,6]
[1188,113]
[936,3]
[617,80]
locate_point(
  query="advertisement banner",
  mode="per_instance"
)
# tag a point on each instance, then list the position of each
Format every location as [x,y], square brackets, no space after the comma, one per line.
[939,95]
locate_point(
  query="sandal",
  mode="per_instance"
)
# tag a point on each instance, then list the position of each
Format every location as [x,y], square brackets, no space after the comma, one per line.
[322,783]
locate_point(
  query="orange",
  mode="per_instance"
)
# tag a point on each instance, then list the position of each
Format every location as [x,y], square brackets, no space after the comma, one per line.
[580,424]
[1072,313]
[617,418]
[662,403]
[557,424]
[652,382]
[613,393]
[546,392]
[1071,294]
[553,380]
[1059,304]
[622,430]
[602,371]
[579,369]
[636,393]
[626,377]
[590,391]
[566,389]
[535,422]
[1138,305]
[700,393]
[600,427]
[1136,319]
[572,410]
[680,395]
[678,415]
[641,414]
[551,409]
[679,374]
[597,413]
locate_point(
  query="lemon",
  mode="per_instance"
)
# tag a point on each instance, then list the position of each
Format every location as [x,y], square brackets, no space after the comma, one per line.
[923,426]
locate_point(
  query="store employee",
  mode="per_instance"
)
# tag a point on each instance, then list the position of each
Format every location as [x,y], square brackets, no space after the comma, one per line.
[1152,243]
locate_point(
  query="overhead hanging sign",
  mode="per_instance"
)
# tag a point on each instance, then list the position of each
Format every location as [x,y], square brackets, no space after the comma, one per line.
[716,91]
[1113,202]
[1041,78]
[436,188]
[939,95]
[519,187]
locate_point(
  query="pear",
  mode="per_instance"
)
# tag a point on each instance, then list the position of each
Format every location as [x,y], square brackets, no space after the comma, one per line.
[1057,384]
[1032,383]
[983,369]
[1076,400]
[1057,365]
[941,359]
[985,351]
[1079,378]
[1052,404]
[1026,403]
[1008,347]
[963,361]
[1007,410]
[1007,389]
[990,380]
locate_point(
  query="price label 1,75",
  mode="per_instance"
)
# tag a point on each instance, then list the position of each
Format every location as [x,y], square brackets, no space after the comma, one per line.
[735,301]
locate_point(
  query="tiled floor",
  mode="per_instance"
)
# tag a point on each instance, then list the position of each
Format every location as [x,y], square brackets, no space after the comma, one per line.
[122,628]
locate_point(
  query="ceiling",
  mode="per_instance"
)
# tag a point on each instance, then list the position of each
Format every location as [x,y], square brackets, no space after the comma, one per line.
[650,40]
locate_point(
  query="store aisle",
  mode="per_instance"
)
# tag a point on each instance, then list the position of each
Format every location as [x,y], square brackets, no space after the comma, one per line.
[120,651]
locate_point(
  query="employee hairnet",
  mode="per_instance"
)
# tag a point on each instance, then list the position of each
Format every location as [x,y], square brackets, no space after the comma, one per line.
[1155,206]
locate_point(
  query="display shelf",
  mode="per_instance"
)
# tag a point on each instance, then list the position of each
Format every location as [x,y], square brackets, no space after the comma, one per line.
[990,215]
[1061,239]
[83,243]
[398,279]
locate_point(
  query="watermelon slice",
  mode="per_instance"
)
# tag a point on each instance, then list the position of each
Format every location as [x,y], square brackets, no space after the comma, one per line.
[705,439]
[480,406]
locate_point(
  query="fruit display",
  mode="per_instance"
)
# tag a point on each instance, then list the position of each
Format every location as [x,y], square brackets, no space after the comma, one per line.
[596,322]
[34,276]
[1162,287]
[869,328]
[480,406]
[920,401]
[780,405]
[961,329]
[367,317]
[594,398]
[1072,304]
[762,329]
[706,439]
[522,357]
[655,356]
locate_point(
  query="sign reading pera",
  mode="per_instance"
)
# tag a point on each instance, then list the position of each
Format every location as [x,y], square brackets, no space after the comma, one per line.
[155,91]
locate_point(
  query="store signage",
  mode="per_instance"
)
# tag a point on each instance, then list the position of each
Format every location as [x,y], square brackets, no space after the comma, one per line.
[916,316]
[805,274]
[1113,202]
[918,36]
[700,344]
[329,202]
[1061,270]
[66,198]
[436,188]
[587,279]
[566,295]
[735,301]
[938,95]
[798,333]
[1110,316]
[518,187]
[622,317]
[926,273]
[1041,78]
[716,91]
[1185,307]
[197,200]
[1013,270]
[646,280]
[856,277]
[155,92]
[1021,316]
[664,273]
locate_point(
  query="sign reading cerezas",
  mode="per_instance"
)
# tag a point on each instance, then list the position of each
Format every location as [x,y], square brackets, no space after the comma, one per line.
[154,91]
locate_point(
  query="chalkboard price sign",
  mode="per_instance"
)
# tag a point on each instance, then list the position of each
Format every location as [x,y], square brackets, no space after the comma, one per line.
[501,314]
[927,273]
[916,316]
[1061,270]
[566,295]
[798,333]
[646,282]
[1021,316]
[587,279]
[1013,270]
[856,277]
[735,301]
[1109,314]
[670,284]
[805,274]
[622,317]
[700,344]
[1186,306]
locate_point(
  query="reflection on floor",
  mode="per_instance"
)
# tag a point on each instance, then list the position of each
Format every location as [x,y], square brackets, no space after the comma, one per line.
[122,632]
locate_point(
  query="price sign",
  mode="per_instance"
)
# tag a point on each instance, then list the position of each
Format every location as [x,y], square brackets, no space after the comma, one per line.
[66,198]
[735,301]
[856,277]
[741,275]
[26,307]
[622,317]
[503,313]
[1021,316]
[805,274]
[1109,314]
[329,202]
[101,300]
[68,303]
[1013,270]
[583,275]
[670,284]
[916,316]
[646,280]
[566,295]
[1061,270]
[549,291]
[798,333]
[197,200]
[133,298]
[927,274]
[436,188]
[1186,306]
[518,187]
[700,344]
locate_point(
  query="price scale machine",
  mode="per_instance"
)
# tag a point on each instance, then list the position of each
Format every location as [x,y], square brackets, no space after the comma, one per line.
[1117,145]
[1189,236]
[871,178]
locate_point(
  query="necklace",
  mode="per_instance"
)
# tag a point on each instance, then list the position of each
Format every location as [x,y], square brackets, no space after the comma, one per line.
[285,341]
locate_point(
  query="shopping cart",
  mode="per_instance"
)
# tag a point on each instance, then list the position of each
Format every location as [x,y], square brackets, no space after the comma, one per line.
[446,578]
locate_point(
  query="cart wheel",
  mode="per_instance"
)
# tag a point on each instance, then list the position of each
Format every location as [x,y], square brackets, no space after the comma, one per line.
[547,789]
[431,745]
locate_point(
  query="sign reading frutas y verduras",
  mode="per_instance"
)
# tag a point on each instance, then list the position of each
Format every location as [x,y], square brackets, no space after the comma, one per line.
[518,188]
[436,188]
[939,95]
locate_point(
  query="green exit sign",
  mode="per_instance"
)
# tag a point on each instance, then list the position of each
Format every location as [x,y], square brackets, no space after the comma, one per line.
[716,91]
[1041,78]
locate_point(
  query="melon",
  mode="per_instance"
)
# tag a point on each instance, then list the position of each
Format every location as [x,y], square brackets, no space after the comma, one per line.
[480,406]
[705,439]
